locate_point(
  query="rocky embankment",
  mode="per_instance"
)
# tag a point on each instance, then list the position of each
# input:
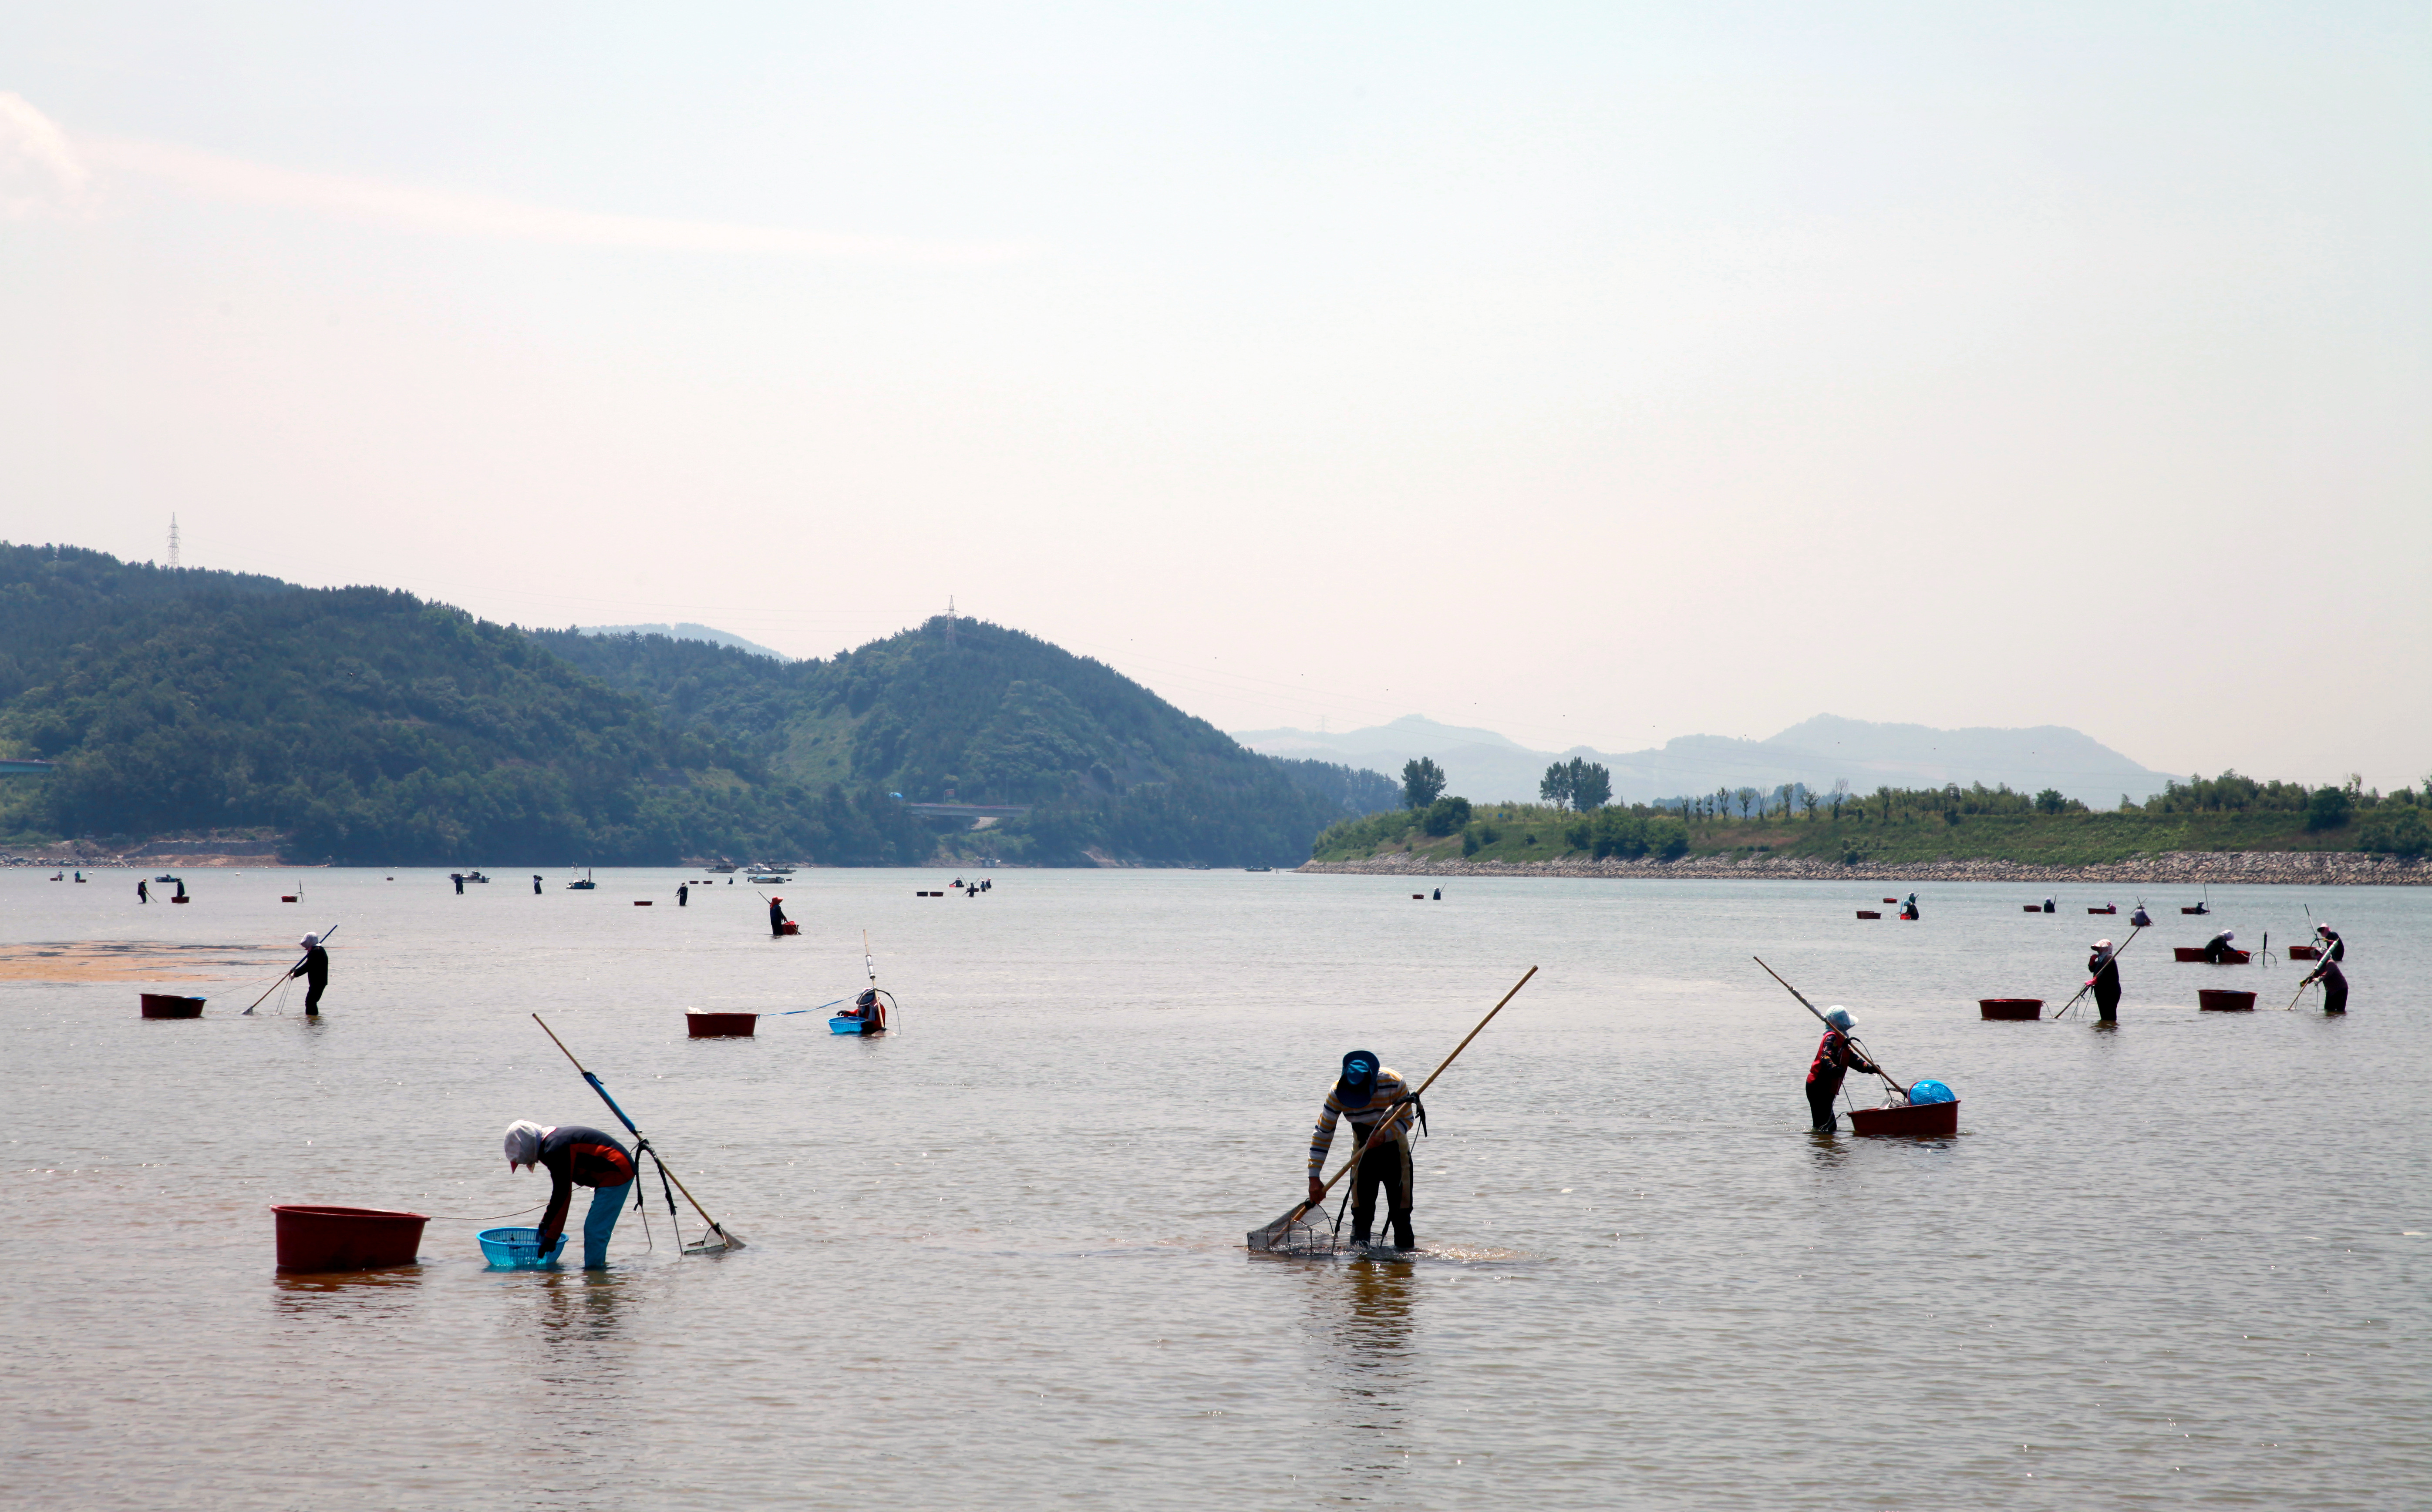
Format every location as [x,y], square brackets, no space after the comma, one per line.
[2313,867]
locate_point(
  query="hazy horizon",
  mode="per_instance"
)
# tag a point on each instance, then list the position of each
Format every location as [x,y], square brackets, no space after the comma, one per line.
[1597,378]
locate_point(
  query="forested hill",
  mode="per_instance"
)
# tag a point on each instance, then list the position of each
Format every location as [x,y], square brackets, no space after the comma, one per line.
[362,725]
[986,715]
[365,725]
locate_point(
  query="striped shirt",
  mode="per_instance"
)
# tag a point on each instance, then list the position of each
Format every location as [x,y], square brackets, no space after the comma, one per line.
[1363,1118]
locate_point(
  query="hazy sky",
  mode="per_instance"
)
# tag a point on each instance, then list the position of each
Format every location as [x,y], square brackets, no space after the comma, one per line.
[1598,374]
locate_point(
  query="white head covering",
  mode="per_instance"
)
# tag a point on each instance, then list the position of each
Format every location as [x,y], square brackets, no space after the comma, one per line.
[309,941]
[1840,1020]
[523,1143]
[2103,946]
[2229,935]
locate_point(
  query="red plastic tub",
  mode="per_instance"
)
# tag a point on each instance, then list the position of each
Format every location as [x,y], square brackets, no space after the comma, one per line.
[1868,913]
[642,903]
[286,897]
[721,1026]
[789,926]
[2191,911]
[2221,1001]
[2108,908]
[168,1006]
[2032,908]
[317,1238]
[2304,952]
[2194,954]
[2010,1007]
[1891,899]
[182,898]
[1920,1120]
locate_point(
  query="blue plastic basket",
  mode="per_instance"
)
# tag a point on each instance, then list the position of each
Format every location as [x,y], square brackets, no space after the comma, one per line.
[517,1249]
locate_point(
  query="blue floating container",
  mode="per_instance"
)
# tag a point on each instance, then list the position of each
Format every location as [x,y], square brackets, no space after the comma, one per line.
[517,1249]
[1924,1092]
[842,1025]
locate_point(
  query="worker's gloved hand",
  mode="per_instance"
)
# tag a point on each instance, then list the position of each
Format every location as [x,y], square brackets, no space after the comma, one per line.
[1316,1190]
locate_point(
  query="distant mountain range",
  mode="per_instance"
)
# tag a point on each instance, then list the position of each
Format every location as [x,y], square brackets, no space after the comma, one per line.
[687,631]
[1484,767]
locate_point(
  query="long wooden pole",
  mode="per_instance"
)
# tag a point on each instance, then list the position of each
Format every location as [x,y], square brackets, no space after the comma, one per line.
[715,1226]
[1385,1122]
[1828,1023]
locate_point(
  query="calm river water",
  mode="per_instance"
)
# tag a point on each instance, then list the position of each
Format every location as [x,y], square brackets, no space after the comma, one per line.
[996,1258]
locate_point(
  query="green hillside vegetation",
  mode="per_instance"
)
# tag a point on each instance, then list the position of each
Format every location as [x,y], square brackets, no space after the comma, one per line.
[1901,826]
[363,725]
[991,716]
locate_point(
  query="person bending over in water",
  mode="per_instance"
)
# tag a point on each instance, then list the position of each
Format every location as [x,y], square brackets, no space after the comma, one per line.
[575,1156]
[1370,1093]
[2335,985]
[2218,949]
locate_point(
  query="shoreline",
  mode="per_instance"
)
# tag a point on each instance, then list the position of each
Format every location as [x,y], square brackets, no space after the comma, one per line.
[2344,868]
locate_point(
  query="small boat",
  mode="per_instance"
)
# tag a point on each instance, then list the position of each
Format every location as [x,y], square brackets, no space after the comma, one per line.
[2193,954]
[2009,1008]
[1917,1120]
[2108,908]
[850,1024]
[475,876]
[770,878]
[170,1005]
[724,866]
[165,876]
[584,885]
[1257,868]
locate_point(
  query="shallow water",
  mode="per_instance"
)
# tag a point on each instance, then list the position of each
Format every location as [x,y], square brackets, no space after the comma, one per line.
[996,1258]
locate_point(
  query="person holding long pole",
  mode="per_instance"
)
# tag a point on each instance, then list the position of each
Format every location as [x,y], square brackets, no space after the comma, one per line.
[575,1156]
[2104,965]
[1375,1099]
[1835,1057]
[314,969]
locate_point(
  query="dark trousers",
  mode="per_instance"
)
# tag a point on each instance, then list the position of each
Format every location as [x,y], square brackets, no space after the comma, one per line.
[312,997]
[1820,1093]
[1388,1166]
[2106,1002]
[2335,995]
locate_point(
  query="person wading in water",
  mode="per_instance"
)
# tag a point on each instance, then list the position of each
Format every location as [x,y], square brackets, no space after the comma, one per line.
[2335,984]
[776,916]
[314,969]
[575,1156]
[1835,1057]
[1368,1093]
[142,894]
[2218,948]
[2106,967]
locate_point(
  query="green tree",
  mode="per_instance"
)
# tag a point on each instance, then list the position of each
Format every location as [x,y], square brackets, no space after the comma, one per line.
[1748,796]
[2050,801]
[1555,786]
[1590,785]
[1445,815]
[2328,809]
[1422,779]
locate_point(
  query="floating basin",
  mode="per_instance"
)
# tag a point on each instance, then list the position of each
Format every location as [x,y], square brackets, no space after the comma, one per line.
[2221,1001]
[721,1026]
[169,1005]
[1868,913]
[2304,952]
[316,1239]
[2108,908]
[2033,908]
[1921,1120]
[844,1025]
[2194,953]
[2010,1007]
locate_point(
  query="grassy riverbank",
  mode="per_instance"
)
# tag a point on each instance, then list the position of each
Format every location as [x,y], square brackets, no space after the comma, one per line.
[1527,832]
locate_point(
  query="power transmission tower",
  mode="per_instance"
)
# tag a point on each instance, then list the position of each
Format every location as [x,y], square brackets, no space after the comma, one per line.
[172,541]
[949,619]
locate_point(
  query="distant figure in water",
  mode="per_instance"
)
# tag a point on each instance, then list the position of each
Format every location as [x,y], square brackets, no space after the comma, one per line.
[535,885]
[458,878]
[2049,908]
[2335,985]
[2333,949]
[2105,965]
[1835,1057]
[143,893]
[1439,896]
[683,890]
[2140,918]
[776,916]
[314,969]
[2218,948]
[1908,907]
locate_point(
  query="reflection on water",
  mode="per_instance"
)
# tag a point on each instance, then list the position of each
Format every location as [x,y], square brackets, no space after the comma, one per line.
[368,1296]
[1361,1330]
